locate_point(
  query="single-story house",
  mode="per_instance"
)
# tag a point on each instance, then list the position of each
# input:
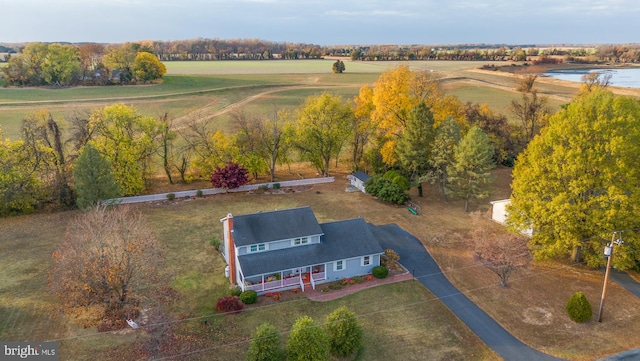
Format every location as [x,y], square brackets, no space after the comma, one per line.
[287,249]
[358,179]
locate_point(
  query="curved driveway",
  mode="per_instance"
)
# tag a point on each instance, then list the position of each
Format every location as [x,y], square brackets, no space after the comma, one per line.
[416,259]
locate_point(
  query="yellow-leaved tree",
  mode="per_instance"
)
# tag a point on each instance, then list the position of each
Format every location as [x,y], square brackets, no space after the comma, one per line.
[393,97]
[579,181]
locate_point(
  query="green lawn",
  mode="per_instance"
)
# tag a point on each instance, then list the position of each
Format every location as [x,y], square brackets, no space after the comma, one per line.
[401,321]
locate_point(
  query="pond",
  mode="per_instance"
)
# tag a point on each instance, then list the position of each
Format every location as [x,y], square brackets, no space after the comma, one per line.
[627,77]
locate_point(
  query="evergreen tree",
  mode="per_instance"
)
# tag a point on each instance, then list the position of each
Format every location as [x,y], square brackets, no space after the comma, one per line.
[345,333]
[265,344]
[307,341]
[93,178]
[414,146]
[442,154]
[470,177]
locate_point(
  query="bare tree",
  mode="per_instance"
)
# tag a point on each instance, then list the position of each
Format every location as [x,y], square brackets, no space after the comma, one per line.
[532,110]
[108,264]
[594,80]
[501,252]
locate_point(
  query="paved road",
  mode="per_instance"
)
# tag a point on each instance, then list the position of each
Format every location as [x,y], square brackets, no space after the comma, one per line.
[624,280]
[416,259]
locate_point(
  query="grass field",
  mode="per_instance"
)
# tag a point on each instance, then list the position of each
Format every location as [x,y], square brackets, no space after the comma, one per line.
[402,321]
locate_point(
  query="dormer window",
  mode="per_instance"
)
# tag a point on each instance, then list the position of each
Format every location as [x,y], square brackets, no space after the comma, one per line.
[258,247]
[300,241]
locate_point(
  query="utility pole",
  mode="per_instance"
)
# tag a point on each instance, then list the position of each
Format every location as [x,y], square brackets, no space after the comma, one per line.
[608,252]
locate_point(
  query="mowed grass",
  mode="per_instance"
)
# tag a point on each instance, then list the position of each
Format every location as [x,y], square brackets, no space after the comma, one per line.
[402,322]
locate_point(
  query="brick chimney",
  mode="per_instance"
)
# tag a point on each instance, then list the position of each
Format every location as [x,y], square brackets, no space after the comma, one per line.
[231,249]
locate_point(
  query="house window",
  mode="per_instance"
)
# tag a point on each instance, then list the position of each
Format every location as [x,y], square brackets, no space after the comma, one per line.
[366,260]
[301,240]
[338,266]
[258,247]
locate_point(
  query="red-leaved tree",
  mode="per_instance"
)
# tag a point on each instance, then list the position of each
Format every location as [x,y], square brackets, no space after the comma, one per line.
[229,177]
[501,252]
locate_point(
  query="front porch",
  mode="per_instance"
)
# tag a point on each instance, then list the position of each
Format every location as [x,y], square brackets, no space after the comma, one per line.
[302,278]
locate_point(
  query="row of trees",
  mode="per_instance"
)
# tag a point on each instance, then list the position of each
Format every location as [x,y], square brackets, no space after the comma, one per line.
[55,64]
[402,122]
[341,336]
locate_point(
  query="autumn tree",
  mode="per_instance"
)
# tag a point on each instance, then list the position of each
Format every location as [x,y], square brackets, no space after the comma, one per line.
[93,179]
[20,187]
[496,127]
[44,141]
[579,180]
[307,341]
[473,158]
[396,93]
[442,154]
[362,127]
[121,57]
[265,344]
[345,333]
[206,148]
[109,263]
[338,67]
[61,66]
[501,252]
[128,140]
[147,67]
[531,110]
[323,128]
[595,80]
[415,144]
[229,177]
[42,64]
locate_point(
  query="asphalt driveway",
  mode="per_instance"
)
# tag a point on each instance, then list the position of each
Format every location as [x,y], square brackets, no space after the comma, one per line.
[417,260]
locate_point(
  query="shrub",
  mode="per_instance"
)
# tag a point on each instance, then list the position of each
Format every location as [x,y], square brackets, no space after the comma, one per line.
[307,341]
[391,254]
[345,334]
[248,297]
[265,344]
[199,193]
[579,308]
[386,190]
[276,186]
[229,304]
[171,196]
[235,291]
[380,271]
[216,242]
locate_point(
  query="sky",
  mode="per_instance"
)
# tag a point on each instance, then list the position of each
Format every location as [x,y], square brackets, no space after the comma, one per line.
[324,22]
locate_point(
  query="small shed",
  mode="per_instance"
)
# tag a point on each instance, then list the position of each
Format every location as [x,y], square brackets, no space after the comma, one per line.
[358,179]
[499,210]
[499,214]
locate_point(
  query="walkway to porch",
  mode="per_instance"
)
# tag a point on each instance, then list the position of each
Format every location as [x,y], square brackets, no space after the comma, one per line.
[316,295]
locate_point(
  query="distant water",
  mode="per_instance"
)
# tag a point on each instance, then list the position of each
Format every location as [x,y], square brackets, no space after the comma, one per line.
[628,78]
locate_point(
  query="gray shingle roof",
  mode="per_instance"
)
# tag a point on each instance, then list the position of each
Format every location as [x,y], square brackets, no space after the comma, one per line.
[341,240]
[361,175]
[276,225]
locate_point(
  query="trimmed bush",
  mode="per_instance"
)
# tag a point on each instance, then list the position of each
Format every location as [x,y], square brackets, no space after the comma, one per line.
[229,304]
[380,272]
[276,185]
[579,308]
[345,333]
[198,193]
[265,344]
[215,242]
[171,196]
[248,297]
[235,291]
[307,341]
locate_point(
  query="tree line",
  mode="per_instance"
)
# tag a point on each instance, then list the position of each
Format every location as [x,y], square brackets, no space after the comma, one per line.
[91,64]
[204,49]
[402,122]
